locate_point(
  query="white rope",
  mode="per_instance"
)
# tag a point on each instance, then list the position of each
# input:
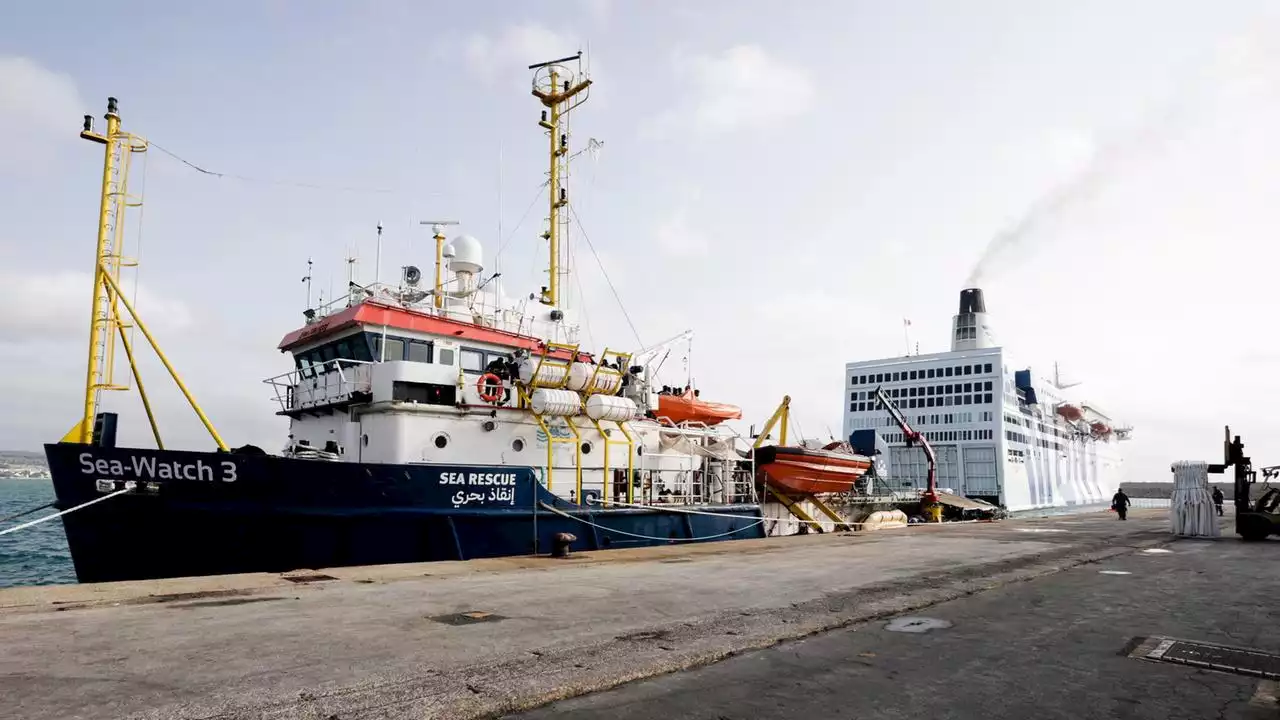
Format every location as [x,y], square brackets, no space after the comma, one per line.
[704,512]
[47,518]
[761,521]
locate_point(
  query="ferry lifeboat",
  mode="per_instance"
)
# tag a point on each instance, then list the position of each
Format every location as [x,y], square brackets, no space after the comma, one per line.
[1070,412]
[1100,429]
[687,407]
[806,471]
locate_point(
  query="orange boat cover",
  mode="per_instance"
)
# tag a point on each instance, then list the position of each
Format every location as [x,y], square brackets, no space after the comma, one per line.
[688,408]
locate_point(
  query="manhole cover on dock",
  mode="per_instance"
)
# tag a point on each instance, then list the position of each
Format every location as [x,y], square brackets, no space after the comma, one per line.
[467,618]
[916,624]
[1237,661]
[301,578]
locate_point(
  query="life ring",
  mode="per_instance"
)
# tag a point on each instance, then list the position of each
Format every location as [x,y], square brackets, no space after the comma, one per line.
[483,385]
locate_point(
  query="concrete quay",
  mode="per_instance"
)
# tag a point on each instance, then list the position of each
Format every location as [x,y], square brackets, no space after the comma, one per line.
[483,638]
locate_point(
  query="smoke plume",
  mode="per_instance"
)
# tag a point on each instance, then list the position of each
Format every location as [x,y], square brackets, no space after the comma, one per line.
[1243,64]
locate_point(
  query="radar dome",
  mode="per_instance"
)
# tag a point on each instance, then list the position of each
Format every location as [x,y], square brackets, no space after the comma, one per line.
[468,255]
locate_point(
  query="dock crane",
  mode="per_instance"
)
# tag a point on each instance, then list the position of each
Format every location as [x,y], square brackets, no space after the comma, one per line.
[929,501]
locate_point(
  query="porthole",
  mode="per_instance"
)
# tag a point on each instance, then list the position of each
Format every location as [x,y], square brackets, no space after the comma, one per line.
[441,441]
[586,448]
[517,444]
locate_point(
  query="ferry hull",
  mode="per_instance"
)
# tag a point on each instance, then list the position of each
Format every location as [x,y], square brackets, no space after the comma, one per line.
[194,513]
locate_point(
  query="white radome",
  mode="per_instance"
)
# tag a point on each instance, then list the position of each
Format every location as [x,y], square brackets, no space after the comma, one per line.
[468,254]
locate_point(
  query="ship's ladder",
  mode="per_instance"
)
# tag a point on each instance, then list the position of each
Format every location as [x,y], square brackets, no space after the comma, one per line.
[627,443]
[554,382]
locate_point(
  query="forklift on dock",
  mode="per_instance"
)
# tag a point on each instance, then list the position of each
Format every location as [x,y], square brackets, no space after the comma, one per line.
[930,506]
[1254,520]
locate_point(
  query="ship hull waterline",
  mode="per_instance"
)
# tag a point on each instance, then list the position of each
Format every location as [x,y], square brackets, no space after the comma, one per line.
[209,513]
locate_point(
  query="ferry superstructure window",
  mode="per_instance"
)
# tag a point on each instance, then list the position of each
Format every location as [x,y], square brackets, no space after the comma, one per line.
[948,372]
[930,372]
[913,374]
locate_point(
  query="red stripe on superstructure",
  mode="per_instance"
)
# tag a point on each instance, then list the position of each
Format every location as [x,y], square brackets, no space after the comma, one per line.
[371,315]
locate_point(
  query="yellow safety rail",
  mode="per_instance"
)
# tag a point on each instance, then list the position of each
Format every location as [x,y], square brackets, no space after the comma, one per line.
[527,399]
[623,360]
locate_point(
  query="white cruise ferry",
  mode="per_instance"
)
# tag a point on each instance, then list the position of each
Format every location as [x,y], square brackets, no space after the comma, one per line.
[1002,433]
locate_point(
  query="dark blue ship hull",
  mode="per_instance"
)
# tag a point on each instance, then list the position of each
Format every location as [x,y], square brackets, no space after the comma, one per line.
[198,513]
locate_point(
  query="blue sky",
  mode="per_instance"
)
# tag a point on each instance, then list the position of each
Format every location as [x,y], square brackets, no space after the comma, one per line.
[789,180]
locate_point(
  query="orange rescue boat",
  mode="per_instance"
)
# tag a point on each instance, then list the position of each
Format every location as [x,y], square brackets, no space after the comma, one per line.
[688,408]
[804,471]
[1070,412]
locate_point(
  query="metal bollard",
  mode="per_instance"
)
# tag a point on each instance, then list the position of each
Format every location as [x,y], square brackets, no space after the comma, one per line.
[560,544]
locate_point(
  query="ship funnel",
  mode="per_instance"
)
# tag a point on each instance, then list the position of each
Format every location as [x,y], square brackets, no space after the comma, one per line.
[971,329]
[971,301]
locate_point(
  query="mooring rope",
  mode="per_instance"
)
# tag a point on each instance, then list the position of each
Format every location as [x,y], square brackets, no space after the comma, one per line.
[545,506]
[60,513]
[15,516]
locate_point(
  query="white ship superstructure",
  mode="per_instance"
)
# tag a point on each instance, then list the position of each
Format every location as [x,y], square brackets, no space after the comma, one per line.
[1002,433]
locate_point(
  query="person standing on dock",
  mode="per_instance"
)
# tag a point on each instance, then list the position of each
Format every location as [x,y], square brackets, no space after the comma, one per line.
[1217,499]
[1120,503]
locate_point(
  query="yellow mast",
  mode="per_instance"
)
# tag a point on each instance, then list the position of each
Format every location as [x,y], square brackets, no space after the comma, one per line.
[107,293]
[554,85]
[101,344]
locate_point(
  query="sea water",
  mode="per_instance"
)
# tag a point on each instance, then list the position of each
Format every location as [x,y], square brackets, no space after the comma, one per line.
[36,555]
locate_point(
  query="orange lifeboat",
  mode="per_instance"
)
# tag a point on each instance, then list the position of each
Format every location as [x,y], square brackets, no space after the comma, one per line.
[1100,429]
[688,408]
[1070,412]
[803,471]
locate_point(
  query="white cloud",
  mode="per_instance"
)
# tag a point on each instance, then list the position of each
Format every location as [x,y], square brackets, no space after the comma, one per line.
[55,306]
[37,106]
[515,48]
[676,236]
[598,10]
[678,239]
[742,87]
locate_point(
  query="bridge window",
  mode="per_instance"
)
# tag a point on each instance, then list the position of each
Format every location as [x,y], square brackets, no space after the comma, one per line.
[472,360]
[393,350]
[419,351]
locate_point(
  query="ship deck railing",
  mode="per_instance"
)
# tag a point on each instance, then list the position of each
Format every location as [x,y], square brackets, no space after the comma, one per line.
[419,300]
[671,487]
[329,383]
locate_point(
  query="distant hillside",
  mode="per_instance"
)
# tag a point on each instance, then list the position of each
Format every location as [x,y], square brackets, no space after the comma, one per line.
[20,463]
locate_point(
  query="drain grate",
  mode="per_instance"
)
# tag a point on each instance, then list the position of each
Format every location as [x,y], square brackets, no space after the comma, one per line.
[1237,661]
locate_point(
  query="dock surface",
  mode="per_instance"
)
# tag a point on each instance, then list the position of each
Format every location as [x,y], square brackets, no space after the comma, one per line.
[487,637]
[1067,645]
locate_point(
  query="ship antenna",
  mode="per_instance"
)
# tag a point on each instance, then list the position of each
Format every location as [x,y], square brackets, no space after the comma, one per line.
[554,85]
[437,232]
[307,280]
[377,258]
